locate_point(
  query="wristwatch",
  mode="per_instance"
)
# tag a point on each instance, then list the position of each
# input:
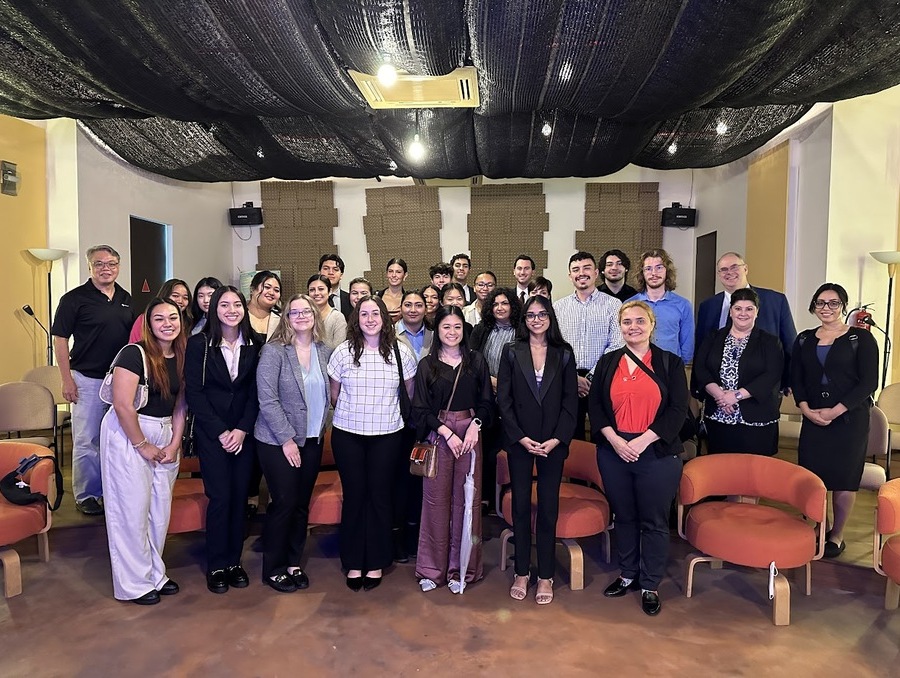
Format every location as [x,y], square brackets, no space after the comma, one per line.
[738,395]
[477,422]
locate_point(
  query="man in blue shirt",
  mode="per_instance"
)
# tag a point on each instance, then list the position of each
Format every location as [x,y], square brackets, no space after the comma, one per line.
[674,315]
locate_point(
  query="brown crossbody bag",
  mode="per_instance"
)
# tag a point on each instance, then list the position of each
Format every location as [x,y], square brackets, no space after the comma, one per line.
[423,458]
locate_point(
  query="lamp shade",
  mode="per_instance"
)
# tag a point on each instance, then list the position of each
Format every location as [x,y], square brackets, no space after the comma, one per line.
[47,253]
[886,257]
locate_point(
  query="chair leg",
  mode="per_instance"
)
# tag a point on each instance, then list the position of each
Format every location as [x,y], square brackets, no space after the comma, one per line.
[505,536]
[12,572]
[891,595]
[606,545]
[715,564]
[576,564]
[781,609]
[43,547]
[809,578]
[693,559]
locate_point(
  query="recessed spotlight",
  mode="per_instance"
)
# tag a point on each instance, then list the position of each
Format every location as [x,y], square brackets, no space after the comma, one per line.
[392,166]
[387,74]
[673,148]
[416,151]
[546,130]
[721,128]
[259,152]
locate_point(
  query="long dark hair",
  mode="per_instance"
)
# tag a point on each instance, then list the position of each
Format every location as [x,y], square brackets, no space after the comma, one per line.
[259,280]
[165,292]
[554,336]
[487,308]
[434,355]
[214,325]
[358,341]
[158,372]
[196,312]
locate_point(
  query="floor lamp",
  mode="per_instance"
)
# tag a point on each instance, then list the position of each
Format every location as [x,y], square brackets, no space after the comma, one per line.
[891,259]
[49,255]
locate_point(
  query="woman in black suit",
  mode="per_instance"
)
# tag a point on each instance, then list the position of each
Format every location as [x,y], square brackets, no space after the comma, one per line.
[220,381]
[834,371]
[537,392]
[739,369]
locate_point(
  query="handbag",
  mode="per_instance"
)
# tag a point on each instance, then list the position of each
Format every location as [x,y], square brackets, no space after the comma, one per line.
[16,491]
[423,458]
[187,438]
[143,390]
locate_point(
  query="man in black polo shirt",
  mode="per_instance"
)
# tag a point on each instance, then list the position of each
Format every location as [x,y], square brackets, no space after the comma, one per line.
[614,267]
[99,316]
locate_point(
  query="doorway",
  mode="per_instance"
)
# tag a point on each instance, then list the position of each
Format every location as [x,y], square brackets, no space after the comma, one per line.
[704,269]
[148,261]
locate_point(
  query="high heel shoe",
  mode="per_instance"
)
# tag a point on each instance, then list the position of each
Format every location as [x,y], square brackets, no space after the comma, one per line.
[355,583]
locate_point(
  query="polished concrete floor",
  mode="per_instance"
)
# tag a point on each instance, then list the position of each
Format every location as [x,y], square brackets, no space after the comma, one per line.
[66,622]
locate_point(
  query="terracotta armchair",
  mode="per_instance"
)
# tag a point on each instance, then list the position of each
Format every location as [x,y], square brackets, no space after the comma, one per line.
[189,499]
[886,546]
[328,494]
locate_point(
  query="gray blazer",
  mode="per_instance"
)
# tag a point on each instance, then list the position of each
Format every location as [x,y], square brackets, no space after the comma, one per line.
[282,395]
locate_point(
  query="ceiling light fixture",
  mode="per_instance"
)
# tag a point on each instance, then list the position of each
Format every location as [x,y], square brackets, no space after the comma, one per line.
[721,128]
[673,148]
[547,130]
[387,74]
[416,150]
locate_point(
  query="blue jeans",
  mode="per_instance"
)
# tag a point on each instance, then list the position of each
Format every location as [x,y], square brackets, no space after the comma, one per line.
[87,414]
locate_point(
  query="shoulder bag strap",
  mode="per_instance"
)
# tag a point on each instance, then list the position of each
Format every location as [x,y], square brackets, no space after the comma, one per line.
[205,353]
[405,403]
[651,373]
[453,392]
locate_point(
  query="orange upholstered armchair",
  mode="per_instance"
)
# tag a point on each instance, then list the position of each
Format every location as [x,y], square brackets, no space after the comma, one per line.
[886,551]
[328,494]
[189,499]
[19,522]
[748,533]
[583,509]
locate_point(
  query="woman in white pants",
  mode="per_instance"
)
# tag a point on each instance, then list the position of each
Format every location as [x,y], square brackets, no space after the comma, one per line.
[139,455]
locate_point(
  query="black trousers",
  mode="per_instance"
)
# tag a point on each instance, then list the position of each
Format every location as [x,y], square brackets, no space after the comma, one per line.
[366,465]
[549,476]
[407,501]
[287,517]
[491,444]
[581,415]
[640,494]
[225,479]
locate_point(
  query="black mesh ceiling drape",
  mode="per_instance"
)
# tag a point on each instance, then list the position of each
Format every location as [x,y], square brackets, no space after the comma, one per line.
[212,90]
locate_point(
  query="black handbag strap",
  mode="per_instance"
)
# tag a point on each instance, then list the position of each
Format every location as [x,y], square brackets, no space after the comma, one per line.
[640,363]
[405,404]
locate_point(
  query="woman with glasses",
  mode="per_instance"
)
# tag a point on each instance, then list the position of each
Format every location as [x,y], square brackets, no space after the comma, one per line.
[485,282]
[292,382]
[537,392]
[834,372]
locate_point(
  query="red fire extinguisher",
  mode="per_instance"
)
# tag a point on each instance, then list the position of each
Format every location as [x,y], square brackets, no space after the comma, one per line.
[861,318]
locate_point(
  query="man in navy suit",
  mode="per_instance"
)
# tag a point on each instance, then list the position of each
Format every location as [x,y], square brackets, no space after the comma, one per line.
[774,313]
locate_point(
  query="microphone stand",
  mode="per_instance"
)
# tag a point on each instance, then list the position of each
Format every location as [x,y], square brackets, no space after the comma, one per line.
[887,350]
[30,311]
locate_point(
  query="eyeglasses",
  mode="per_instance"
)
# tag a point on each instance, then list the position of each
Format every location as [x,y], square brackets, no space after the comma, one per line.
[734,268]
[100,265]
[531,317]
[833,304]
[486,285]
[293,314]
[654,269]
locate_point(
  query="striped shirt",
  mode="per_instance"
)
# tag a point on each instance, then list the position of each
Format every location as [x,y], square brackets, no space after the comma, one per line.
[591,327]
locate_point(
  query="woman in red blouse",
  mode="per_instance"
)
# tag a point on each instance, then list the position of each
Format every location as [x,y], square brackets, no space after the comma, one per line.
[638,403]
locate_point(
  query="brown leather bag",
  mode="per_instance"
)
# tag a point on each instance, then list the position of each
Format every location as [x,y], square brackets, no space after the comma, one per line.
[423,458]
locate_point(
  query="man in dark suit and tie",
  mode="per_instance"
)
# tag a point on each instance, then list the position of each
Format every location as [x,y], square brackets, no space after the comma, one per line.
[332,267]
[774,312]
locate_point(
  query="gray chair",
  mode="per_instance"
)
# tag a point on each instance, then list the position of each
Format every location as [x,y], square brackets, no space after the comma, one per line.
[26,406]
[50,378]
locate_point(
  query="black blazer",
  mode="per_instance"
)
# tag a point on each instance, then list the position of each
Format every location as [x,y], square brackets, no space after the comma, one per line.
[852,373]
[673,407]
[346,308]
[221,404]
[539,414]
[759,371]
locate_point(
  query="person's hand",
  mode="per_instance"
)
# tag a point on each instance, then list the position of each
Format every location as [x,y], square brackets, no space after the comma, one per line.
[151,453]
[70,390]
[584,387]
[471,438]
[494,384]
[638,445]
[170,452]
[531,446]
[547,447]
[729,399]
[620,446]
[829,414]
[815,416]
[455,443]
[291,453]
[232,441]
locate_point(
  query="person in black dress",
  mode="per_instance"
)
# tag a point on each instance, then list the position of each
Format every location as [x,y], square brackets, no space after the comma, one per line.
[834,372]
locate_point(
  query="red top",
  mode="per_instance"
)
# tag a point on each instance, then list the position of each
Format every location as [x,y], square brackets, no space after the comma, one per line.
[635,397]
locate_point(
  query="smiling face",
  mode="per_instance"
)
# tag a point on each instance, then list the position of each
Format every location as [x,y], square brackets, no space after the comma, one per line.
[831,307]
[230,310]
[501,308]
[654,272]
[450,331]
[613,270]
[204,294]
[268,293]
[743,315]
[440,279]
[454,298]
[358,291]
[460,271]
[539,292]
[537,320]
[319,293]
[636,327]
[484,285]
[165,322]
[732,273]
[395,275]
[583,274]
[370,320]
[431,301]
[413,311]
[523,270]
[104,268]
[181,296]
[301,316]
[331,270]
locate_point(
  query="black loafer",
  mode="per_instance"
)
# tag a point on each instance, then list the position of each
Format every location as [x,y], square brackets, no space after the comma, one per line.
[355,583]
[217,581]
[283,583]
[833,550]
[370,583]
[237,577]
[650,603]
[149,598]
[301,581]
[618,588]
[170,588]
[90,507]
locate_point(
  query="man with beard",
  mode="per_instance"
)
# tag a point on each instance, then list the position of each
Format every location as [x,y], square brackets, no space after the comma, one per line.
[674,315]
[332,267]
[589,322]
[615,266]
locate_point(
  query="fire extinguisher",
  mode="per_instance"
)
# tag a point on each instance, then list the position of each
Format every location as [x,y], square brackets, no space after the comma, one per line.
[861,318]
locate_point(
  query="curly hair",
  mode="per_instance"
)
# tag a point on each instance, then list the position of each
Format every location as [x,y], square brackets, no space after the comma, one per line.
[358,341]
[487,308]
[671,271]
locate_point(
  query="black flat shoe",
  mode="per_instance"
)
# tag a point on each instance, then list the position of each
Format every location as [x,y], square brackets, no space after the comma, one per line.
[650,603]
[149,598]
[370,583]
[170,588]
[252,510]
[355,583]
[618,588]
[281,583]
[400,554]
[301,581]
[237,577]
[217,581]
[833,550]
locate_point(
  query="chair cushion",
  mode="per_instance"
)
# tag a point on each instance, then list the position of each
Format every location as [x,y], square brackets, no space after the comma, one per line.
[189,504]
[583,511]
[19,522]
[890,558]
[873,477]
[750,534]
[327,499]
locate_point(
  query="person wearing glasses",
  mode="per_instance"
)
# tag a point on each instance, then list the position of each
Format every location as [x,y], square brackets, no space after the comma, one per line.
[537,392]
[98,314]
[774,312]
[674,315]
[834,373]
[485,282]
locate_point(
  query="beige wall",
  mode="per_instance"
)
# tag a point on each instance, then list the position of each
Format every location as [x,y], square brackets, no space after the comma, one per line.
[767,201]
[23,219]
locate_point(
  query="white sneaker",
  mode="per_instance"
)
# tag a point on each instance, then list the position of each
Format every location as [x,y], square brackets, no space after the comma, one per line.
[455,586]
[427,585]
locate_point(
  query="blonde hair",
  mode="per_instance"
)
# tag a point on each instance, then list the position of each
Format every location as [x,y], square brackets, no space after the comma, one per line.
[643,305]
[284,334]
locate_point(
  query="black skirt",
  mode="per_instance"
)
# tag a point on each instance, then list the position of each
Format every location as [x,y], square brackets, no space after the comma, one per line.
[741,438]
[837,452]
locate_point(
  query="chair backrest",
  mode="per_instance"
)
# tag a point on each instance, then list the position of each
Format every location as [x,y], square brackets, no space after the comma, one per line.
[889,402]
[25,406]
[879,444]
[582,463]
[888,514]
[50,378]
[753,475]
[789,408]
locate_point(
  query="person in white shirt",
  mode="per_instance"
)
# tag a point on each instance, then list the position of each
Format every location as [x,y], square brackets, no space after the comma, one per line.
[462,264]
[523,270]
[485,282]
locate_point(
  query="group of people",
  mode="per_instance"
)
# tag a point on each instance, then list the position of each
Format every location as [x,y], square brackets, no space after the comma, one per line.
[474,369]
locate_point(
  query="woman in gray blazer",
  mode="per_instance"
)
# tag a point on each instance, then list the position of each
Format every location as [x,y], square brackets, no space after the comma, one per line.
[293,403]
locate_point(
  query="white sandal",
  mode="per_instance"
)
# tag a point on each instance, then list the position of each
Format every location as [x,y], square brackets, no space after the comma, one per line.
[543,597]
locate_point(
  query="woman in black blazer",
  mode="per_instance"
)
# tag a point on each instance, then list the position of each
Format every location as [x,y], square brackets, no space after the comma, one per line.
[739,370]
[636,416]
[537,392]
[220,381]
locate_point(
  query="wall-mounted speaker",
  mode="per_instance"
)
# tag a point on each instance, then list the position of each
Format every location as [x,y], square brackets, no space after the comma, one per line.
[248,215]
[679,217]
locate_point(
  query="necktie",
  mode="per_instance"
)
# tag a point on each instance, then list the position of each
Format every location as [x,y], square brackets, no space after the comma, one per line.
[522,298]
